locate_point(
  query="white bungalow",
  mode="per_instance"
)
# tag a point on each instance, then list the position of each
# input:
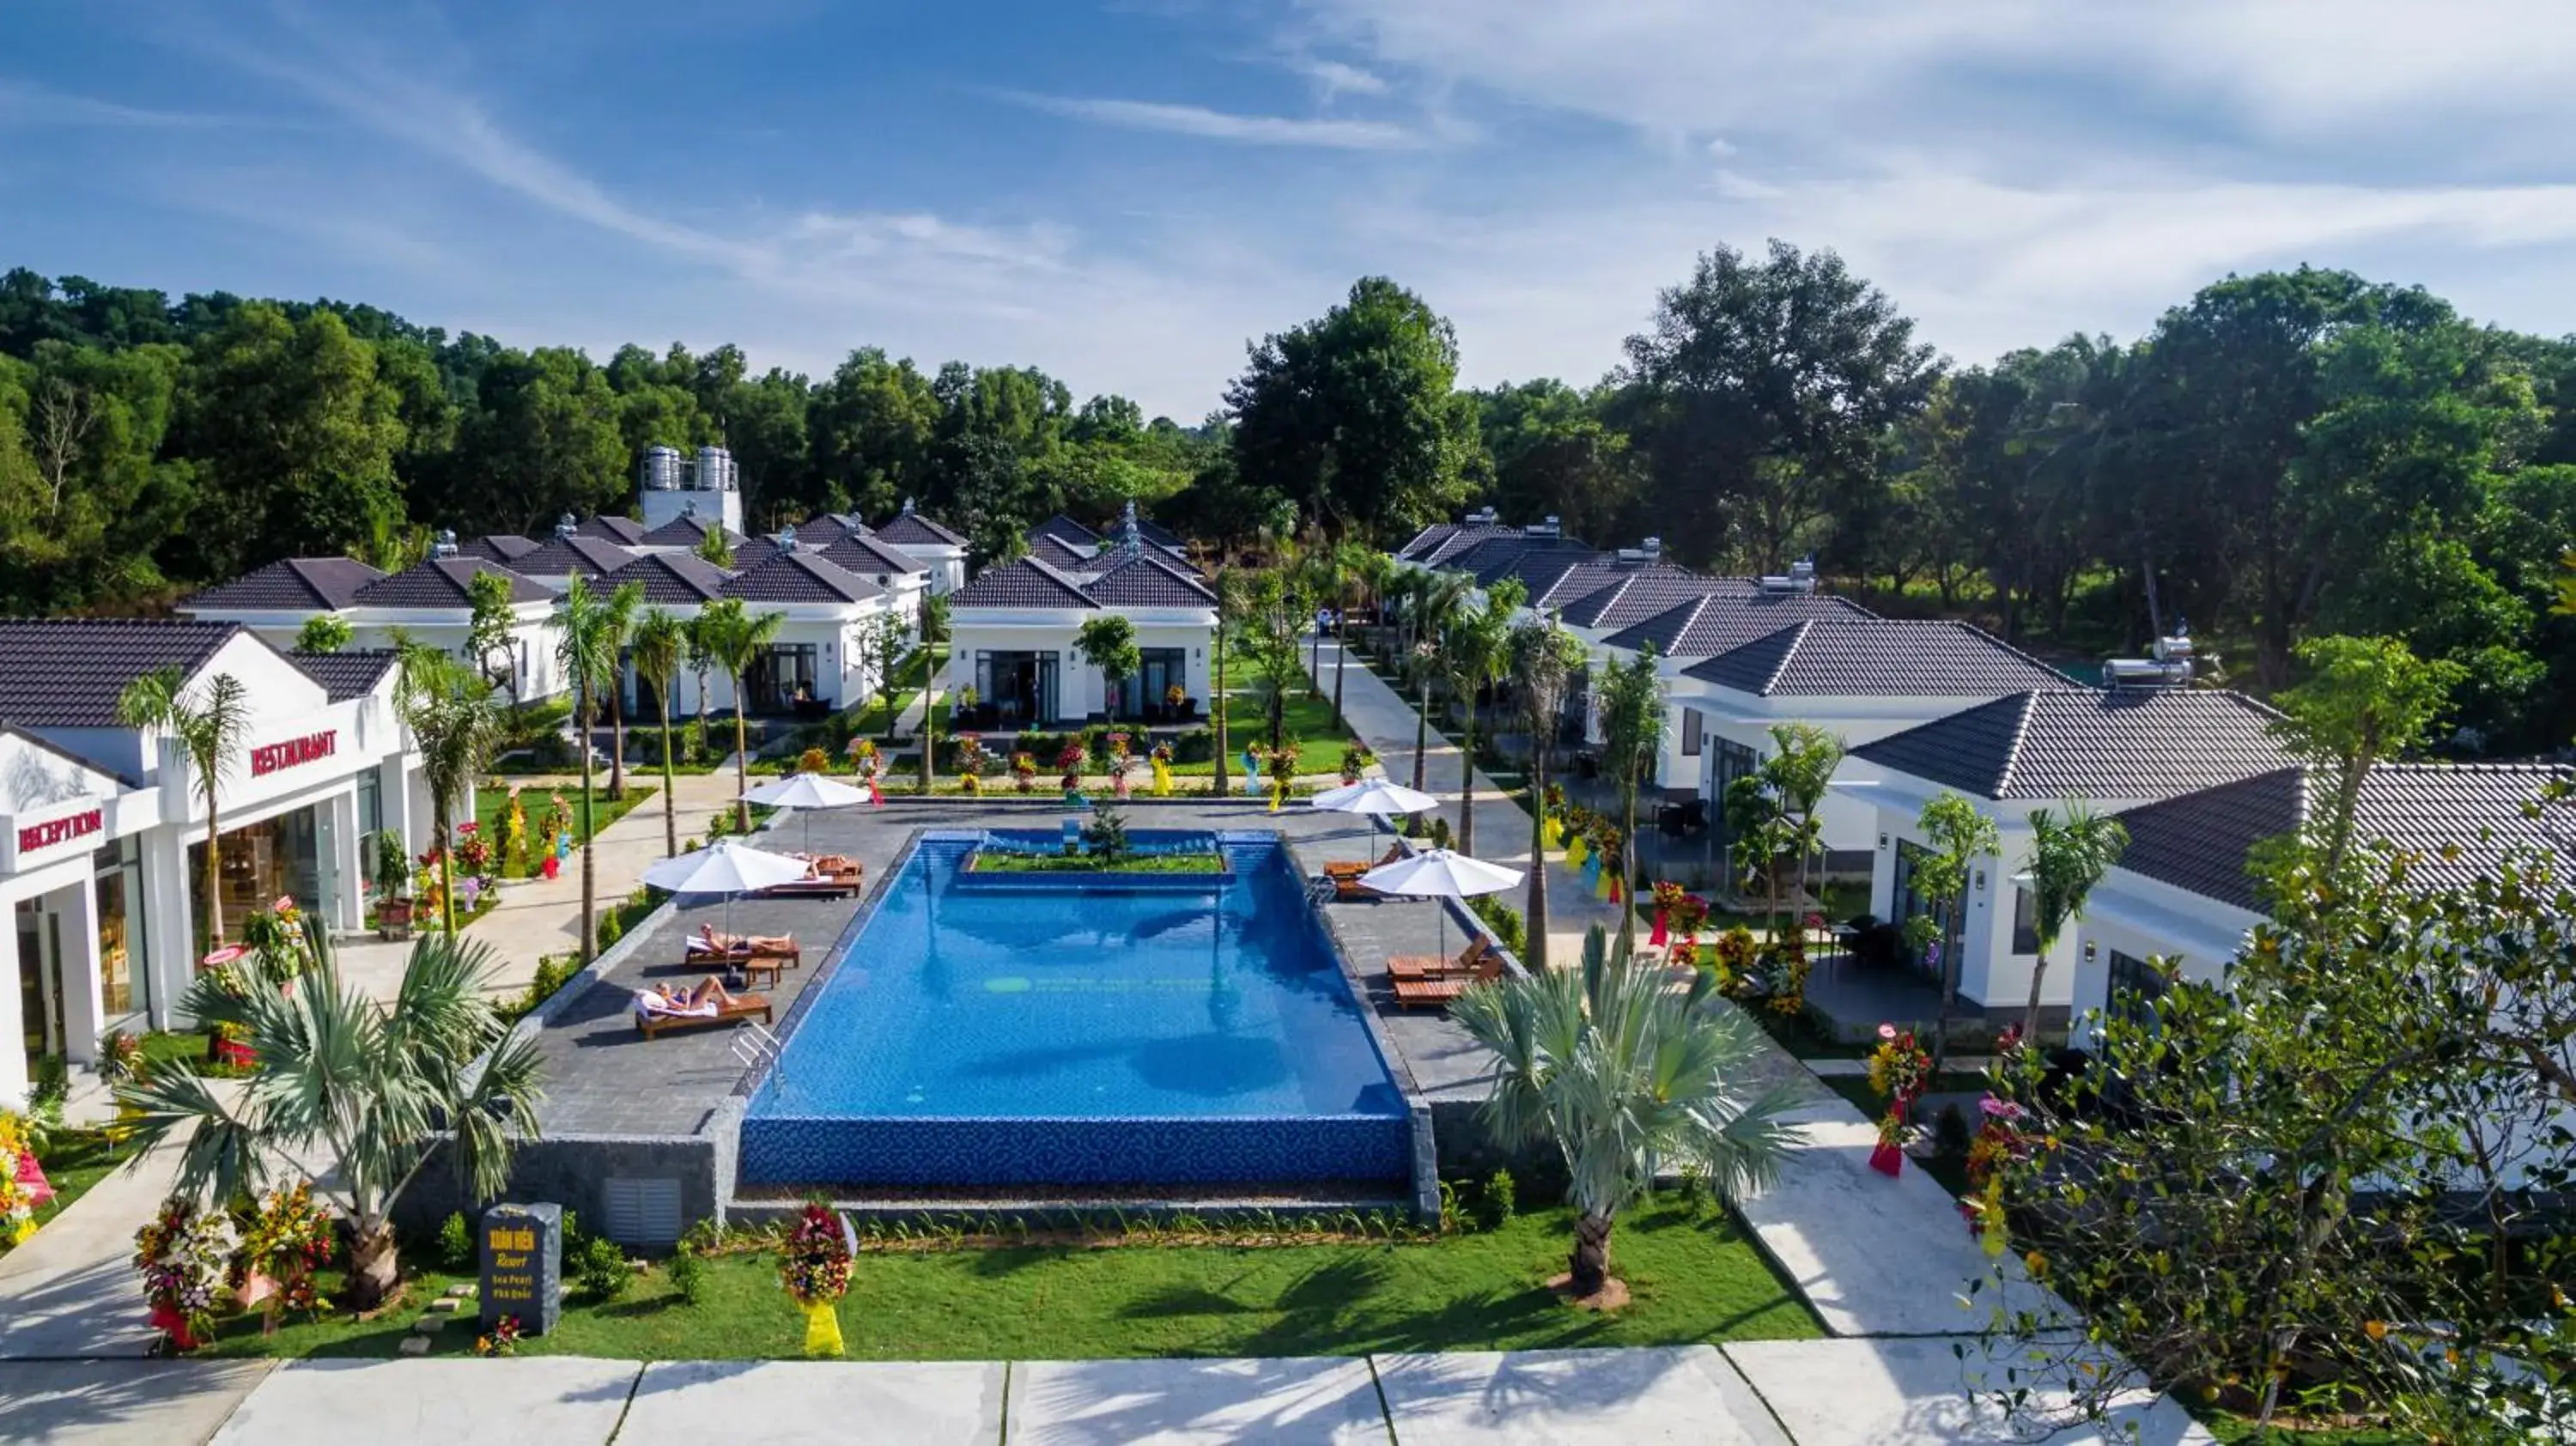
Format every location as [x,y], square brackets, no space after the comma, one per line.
[928,540]
[1013,628]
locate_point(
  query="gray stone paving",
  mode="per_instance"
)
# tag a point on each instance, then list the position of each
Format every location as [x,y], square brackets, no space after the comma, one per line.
[99,1403]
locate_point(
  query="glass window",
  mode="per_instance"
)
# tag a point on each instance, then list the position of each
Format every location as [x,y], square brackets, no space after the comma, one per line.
[2135,987]
[371,821]
[1690,733]
[2025,922]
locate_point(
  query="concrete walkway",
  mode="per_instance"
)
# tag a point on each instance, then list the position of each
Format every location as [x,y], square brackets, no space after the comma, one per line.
[1787,1393]
[71,1290]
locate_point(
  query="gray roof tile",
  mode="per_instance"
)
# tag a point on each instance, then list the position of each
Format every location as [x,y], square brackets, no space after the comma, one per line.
[293,584]
[674,579]
[1635,593]
[1065,529]
[347,674]
[1877,658]
[2125,743]
[1460,537]
[624,531]
[1027,583]
[1715,622]
[1146,580]
[687,530]
[2459,820]
[910,529]
[69,672]
[870,556]
[1056,552]
[440,582]
[574,556]
[800,576]
[501,547]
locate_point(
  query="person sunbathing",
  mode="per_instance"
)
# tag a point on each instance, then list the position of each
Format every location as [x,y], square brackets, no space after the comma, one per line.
[712,942]
[707,998]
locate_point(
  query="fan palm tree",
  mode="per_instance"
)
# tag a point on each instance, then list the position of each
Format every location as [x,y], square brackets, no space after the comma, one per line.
[457,724]
[591,630]
[1626,1077]
[1632,733]
[2068,857]
[1474,651]
[661,646]
[209,729]
[1544,659]
[735,640]
[351,1095]
[1441,598]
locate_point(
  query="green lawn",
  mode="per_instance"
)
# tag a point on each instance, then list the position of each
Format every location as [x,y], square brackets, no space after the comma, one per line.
[1307,722]
[1073,864]
[492,804]
[1694,1280]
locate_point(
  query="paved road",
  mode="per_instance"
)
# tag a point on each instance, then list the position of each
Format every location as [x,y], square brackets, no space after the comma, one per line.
[1789,1393]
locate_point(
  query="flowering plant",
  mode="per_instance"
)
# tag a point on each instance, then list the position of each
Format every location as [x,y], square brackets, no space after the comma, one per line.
[473,850]
[1162,753]
[1175,695]
[1998,1139]
[557,823]
[275,936]
[503,1340]
[514,834]
[1355,759]
[1735,951]
[17,1202]
[1025,769]
[1899,1068]
[1668,895]
[288,1238]
[184,1254]
[814,1265]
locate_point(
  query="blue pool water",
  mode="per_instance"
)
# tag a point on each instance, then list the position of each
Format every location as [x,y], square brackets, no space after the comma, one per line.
[983,1031]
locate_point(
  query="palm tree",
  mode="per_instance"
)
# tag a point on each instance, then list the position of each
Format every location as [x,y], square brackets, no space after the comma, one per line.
[736,640]
[1277,614]
[1632,731]
[1442,596]
[1475,651]
[661,644]
[1544,659]
[1626,1077]
[351,1095]
[1801,770]
[620,606]
[457,726]
[210,729]
[702,662]
[934,632]
[591,628]
[2068,857]
[1227,584]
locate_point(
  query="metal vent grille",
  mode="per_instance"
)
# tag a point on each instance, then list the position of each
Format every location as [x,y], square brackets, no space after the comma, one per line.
[641,1210]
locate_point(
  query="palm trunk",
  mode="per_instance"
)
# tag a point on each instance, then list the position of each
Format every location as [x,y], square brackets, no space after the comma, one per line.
[589,894]
[617,741]
[1341,653]
[214,874]
[1535,916]
[440,814]
[375,1265]
[1628,867]
[670,805]
[1941,1020]
[741,762]
[1467,783]
[1216,708]
[1421,730]
[929,722]
[703,680]
[1590,1268]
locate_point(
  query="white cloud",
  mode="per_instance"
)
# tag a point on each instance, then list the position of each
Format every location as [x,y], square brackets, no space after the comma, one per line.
[1333,78]
[1218,125]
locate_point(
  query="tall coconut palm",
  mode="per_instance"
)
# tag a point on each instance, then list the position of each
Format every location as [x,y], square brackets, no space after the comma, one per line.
[702,662]
[590,628]
[457,724]
[209,728]
[661,647]
[736,640]
[2068,856]
[1632,734]
[1473,653]
[351,1095]
[1626,1077]
[1227,584]
[1544,659]
[934,635]
[1441,598]
[620,605]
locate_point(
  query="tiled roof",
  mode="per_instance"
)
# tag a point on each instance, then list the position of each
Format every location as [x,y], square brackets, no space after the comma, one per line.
[2458,819]
[673,579]
[69,672]
[574,556]
[1714,622]
[440,583]
[800,576]
[910,529]
[1877,658]
[1065,529]
[1159,535]
[501,547]
[687,530]
[1459,537]
[1535,560]
[348,674]
[1027,583]
[1056,552]
[1145,581]
[2124,743]
[1635,594]
[869,556]
[624,531]
[294,584]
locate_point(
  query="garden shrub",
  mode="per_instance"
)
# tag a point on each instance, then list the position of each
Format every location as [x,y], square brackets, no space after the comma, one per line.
[611,926]
[603,1269]
[1498,1202]
[1196,746]
[456,1244]
[1440,833]
[1504,920]
[689,1275]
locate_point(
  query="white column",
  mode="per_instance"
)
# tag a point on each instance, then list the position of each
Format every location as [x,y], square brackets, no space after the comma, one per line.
[13,1054]
[347,882]
[84,1006]
[394,803]
[168,936]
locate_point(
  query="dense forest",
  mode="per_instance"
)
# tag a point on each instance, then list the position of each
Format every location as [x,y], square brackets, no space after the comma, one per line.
[2283,454]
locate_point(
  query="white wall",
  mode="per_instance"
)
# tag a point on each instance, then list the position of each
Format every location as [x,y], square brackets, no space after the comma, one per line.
[1080,691]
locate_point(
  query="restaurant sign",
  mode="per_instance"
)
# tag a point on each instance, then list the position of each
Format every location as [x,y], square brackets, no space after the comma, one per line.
[272,757]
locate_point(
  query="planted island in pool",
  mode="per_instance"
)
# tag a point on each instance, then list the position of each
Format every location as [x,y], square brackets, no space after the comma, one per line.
[1132,1028]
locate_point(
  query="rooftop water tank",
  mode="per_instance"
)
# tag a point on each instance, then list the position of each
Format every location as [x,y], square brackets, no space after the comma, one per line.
[715,470]
[661,469]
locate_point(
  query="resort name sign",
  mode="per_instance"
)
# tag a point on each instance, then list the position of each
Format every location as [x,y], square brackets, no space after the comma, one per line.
[272,757]
[56,831]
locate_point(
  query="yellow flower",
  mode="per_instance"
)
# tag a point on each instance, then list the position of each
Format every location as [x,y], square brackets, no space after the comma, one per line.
[2375,1329]
[2036,1264]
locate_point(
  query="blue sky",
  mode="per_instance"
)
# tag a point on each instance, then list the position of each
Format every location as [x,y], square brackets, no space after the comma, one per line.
[1126,193]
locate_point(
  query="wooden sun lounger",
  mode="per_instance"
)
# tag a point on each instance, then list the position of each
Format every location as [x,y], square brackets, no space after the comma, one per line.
[696,954]
[1432,966]
[829,877]
[649,1023]
[1445,989]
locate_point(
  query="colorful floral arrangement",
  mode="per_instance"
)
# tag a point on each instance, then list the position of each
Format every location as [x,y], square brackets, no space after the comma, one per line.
[473,850]
[1175,695]
[555,828]
[1355,760]
[1024,769]
[1899,1069]
[1281,765]
[814,1266]
[1161,758]
[514,835]
[17,1201]
[972,760]
[288,1239]
[1735,955]
[1781,972]
[275,938]
[1121,763]
[1998,1140]
[184,1254]
[503,1339]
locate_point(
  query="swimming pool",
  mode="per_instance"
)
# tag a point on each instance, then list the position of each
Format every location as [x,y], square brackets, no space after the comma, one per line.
[1060,1030]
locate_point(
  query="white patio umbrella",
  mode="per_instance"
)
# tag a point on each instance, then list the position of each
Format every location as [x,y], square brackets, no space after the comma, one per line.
[1375,797]
[724,867]
[805,792]
[1441,874]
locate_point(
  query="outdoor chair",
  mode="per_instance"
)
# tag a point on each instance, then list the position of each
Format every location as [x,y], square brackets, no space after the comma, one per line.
[829,877]
[652,1016]
[1432,966]
[1445,988]
[709,947]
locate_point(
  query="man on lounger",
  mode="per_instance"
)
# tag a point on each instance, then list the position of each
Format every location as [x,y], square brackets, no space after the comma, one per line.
[705,1001]
[711,942]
